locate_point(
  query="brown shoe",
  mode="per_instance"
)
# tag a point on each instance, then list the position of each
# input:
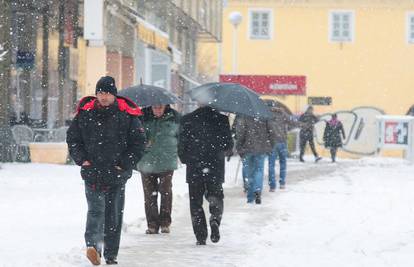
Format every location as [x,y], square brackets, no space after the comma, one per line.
[93,256]
[165,229]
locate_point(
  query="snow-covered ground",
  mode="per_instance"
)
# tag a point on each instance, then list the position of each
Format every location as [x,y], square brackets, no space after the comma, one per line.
[353,213]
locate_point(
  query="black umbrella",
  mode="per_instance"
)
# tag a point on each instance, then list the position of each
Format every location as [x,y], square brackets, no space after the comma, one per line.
[276,104]
[231,97]
[148,95]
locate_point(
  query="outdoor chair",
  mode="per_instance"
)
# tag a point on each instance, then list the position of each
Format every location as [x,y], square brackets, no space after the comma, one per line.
[22,136]
[59,134]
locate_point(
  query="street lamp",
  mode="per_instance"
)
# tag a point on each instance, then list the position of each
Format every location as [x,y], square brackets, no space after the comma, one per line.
[235,19]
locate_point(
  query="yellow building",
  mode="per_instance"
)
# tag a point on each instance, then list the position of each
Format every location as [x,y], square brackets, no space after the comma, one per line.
[357,53]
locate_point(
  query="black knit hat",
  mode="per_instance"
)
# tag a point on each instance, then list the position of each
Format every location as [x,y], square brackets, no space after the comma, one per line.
[106,84]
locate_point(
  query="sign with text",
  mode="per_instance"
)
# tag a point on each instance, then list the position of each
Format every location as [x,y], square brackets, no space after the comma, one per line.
[396,132]
[270,84]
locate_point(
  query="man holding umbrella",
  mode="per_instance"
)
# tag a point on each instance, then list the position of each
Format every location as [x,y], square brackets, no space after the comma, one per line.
[204,137]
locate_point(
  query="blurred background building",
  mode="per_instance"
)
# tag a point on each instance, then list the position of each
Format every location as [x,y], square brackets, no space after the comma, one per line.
[336,55]
[60,48]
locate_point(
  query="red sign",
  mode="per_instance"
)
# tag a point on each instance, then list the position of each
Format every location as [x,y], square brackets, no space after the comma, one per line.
[270,84]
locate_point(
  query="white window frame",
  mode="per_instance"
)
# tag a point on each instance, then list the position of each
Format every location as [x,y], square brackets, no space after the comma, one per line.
[341,39]
[269,11]
[410,27]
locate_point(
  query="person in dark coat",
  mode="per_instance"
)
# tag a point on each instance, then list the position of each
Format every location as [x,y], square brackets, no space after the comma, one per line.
[107,140]
[307,122]
[157,166]
[204,138]
[332,135]
[254,140]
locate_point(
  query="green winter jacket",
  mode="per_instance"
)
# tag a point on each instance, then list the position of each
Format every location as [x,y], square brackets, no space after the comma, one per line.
[160,154]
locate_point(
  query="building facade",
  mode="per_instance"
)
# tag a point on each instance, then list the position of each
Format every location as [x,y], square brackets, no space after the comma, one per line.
[349,53]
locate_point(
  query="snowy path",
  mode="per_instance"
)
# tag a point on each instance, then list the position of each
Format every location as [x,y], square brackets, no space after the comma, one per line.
[354,213]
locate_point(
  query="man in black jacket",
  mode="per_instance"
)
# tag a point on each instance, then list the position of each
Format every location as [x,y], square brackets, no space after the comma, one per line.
[204,137]
[107,140]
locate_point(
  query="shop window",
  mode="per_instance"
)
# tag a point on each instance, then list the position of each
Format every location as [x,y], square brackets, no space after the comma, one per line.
[341,25]
[260,23]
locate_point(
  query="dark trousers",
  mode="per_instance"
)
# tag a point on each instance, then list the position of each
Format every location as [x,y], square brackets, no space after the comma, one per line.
[305,138]
[104,219]
[213,192]
[333,151]
[152,184]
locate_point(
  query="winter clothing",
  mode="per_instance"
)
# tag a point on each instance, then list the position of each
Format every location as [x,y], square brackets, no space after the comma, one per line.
[104,219]
[255,172]
[254,136]
[106,84]
[158,164]
[162,135]
[332,136]
[307,122]
[204,137]
[280,123]
[279,151]
[212,190]
[254,140]
[151,187]
[112,140]
[106,137]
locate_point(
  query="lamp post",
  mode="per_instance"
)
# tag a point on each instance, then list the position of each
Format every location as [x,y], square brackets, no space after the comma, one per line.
[235,19]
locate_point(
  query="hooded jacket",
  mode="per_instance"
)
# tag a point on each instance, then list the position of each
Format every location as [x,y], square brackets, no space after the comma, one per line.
[106,137]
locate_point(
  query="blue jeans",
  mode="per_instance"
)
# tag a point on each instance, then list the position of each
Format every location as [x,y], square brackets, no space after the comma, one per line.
[104,219]
[255,170]
[279,151]
[244,174]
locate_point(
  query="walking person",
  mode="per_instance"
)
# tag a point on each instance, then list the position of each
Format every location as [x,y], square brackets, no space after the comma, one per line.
[254,140]
[204,138]
[157,165]
[106,139]
[242,161]
[280,124]
[307,123]
[332,135]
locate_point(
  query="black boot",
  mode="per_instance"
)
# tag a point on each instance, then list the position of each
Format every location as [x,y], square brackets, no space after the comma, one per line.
[258,198]
[215,233]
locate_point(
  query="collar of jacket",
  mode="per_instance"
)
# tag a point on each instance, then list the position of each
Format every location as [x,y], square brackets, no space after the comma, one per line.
[124,104]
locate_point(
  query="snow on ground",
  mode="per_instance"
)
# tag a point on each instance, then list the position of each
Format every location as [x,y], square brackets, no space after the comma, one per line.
[352,213]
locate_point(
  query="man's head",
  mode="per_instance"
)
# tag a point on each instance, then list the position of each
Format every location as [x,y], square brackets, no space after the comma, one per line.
[158,110]
[106,91]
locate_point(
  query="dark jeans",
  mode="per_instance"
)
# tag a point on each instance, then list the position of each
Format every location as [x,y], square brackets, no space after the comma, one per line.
[152,184]
[104,220]
[304,138]
[333,151]
[213,192]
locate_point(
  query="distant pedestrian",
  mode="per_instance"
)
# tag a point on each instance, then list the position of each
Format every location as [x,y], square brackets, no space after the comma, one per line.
[107,139]
[410,111]
[243,161]
[332,135]
[157,166]
[307,123]
[254,140]
[204,138]
[280,124]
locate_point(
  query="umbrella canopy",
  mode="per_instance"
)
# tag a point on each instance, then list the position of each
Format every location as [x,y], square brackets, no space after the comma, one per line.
[276,104]
[231,97]
[148,95]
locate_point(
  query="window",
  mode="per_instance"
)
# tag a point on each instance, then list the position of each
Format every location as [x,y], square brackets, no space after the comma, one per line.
[341,26]
[260,24]
[410,27]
